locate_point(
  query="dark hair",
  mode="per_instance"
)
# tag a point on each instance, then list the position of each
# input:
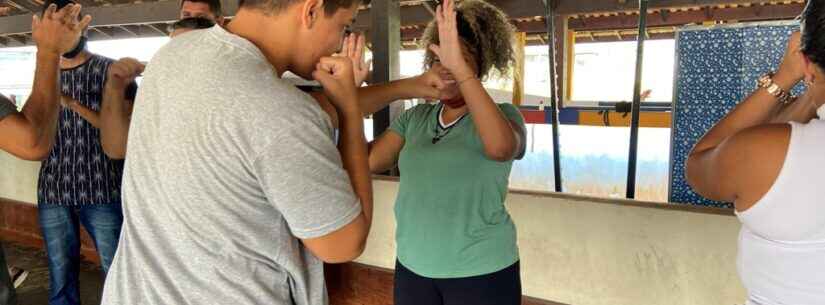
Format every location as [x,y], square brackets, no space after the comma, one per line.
[274,6]
[486,32]
[60,4]
[214,5]
[193,23]
[813,32]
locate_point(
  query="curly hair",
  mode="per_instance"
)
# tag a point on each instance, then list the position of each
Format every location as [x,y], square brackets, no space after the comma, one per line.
[486,32]
[813,28]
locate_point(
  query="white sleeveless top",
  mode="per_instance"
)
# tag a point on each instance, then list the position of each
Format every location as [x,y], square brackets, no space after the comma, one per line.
[782,242]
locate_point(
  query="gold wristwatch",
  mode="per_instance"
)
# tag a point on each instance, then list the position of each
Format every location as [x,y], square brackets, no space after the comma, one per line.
[766,82]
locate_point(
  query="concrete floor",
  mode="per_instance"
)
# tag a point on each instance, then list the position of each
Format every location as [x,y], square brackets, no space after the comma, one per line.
[35,290]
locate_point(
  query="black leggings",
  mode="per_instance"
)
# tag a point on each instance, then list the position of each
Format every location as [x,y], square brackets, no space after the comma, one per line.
[498,288]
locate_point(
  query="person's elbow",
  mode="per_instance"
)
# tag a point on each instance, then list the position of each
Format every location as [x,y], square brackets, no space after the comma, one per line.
[502,152]
[114,154]
[343,245]
[113,151]
[692,172]
[34,148]
[345,255]
[705,173]
[378,167]
[112,147]
[699,165]
[37,152]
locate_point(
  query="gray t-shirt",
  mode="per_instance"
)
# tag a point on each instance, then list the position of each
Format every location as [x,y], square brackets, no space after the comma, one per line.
[6,107]
[227,166]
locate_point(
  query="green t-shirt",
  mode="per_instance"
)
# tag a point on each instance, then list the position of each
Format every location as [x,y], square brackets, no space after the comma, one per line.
[451,219]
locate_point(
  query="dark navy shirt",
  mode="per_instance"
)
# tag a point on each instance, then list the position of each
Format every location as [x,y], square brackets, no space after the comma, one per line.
[77,171]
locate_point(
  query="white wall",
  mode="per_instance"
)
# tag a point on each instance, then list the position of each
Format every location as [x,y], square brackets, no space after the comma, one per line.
[18,179]
[584,252]
[574,250]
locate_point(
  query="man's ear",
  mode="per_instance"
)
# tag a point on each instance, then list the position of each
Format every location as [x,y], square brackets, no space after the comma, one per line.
[311,11]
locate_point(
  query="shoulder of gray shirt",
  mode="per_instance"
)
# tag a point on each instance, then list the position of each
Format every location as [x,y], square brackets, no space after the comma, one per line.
[242,86]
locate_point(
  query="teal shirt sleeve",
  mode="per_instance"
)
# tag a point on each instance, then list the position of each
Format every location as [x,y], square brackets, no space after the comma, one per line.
[399,125]
[514,115]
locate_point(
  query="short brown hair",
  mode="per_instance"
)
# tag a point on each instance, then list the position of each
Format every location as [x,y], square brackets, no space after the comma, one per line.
[274,6]
[214,6]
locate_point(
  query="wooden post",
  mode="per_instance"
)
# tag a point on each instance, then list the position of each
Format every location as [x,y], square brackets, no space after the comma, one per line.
[386,44]
[518,70]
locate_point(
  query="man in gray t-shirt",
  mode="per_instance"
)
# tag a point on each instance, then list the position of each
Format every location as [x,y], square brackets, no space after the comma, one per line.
[233,190]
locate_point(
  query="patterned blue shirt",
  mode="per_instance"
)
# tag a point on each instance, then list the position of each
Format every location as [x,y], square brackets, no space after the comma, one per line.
[77,171]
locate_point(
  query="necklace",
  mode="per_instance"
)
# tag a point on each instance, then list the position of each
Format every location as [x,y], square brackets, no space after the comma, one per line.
[441,132]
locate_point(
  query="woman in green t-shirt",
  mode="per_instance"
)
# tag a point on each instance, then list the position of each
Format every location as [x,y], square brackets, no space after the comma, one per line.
[456,241]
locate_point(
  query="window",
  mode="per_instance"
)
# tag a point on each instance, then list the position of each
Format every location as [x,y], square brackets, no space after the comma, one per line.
[17,64]
[412,63]
[141,49]
[17,73]
[604,72]
[535,171]
[594,161]
[536,76]
[653,165]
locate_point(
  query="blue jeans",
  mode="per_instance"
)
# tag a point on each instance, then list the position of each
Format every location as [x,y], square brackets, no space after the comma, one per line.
[61,230]
[7,296]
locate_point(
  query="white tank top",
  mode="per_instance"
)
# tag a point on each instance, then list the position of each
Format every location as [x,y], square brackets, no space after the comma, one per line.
[782,242]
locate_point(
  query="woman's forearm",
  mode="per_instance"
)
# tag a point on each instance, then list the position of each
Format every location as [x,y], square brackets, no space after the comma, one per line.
[497,135]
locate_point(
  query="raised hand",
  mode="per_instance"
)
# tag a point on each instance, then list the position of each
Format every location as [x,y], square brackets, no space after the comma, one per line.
[123,72]
[354,49]
[793,63]
[448,50]
[58,31]
[336,74]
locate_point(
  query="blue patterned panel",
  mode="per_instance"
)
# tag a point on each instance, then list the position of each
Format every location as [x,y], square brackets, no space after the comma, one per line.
[717,68]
